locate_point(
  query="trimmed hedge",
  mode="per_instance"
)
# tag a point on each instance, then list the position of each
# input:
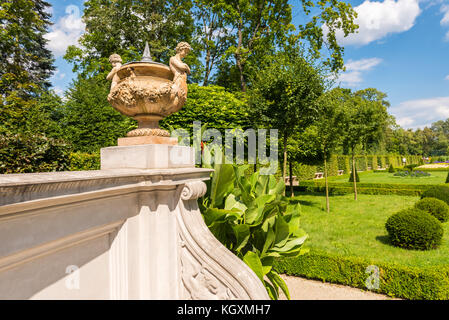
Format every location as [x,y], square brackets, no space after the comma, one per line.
[436,207]
[364,188]
[344,162]
[437,191]
[415,283]
[414,229]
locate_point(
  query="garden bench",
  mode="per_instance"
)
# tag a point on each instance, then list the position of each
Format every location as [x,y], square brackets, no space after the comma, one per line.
[319,175]
[294,178]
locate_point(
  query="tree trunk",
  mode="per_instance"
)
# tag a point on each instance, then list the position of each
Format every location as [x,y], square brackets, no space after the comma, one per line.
[284,165]
[238,57]
[354,175]
[292,194]
[327,186]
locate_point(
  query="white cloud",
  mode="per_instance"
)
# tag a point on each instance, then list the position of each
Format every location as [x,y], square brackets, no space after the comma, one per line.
[352,77]
[447,77]
[445,20]
[376,20]
[422,112]
[445,10]
[66,31]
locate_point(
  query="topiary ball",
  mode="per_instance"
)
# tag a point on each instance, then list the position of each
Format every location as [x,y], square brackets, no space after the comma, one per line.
[440,192]
[437,208]
[414,229]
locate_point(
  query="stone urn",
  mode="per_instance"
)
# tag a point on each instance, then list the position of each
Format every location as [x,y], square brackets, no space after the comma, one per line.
[149,91]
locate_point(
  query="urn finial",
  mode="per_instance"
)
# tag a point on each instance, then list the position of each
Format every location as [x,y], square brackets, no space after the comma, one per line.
[146,54]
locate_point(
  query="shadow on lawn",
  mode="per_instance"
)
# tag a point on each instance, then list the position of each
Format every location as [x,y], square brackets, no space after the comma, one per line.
[385,239]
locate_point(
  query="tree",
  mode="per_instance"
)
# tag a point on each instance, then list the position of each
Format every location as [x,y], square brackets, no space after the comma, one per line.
[88,120]
[284,97]
[364,120]
[26,64]
[328,18]
[330,128]
[260,26]
[123,27]
[213,32]
[303,147]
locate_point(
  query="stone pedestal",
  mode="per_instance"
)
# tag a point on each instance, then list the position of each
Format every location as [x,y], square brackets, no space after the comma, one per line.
[147,156]
[130,231]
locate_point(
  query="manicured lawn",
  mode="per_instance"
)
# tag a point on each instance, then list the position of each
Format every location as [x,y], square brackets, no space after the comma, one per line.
[357,228]
[386,177]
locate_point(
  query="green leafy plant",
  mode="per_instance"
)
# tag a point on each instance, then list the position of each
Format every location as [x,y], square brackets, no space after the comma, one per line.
[253,219]
[437,208]
[414,229]
[447,178]
[391,168]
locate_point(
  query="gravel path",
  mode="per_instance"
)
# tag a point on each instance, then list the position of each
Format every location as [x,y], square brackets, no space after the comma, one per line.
[304,289]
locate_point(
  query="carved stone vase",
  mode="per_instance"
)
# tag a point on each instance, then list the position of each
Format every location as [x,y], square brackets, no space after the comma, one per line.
[149,91]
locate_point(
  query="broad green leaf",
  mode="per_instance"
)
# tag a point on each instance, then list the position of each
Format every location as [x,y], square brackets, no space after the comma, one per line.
[270,237]
[232,203]
[275,278]
[278,189]
[272,292]
[241,232]
[253,261]
[253,215]
[282,231]
[290,245]
[222,183]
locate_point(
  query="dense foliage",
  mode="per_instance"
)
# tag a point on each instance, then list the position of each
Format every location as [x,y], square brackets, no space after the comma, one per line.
[414,229]
[438,192]
[437,208]
[253,219]
[23,153]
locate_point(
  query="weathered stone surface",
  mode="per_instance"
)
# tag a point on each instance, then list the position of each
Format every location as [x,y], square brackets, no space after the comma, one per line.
[152,139]
[148,156]
[128,234]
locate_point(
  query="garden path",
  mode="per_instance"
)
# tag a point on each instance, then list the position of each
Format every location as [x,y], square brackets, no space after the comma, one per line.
[305,289]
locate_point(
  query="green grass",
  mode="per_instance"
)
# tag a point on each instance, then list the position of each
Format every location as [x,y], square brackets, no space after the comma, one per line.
[386,177]
[357,228]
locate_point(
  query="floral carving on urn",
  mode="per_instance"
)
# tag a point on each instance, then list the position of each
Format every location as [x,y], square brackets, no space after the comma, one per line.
[149,91]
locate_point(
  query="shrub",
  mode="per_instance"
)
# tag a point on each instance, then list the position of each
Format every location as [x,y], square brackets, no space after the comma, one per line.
[391,168]
[411,167]
[421,283]
[414,229]
[24,153]
[447,178]
[80,161]
[440,192]
[437,208]
[351,176]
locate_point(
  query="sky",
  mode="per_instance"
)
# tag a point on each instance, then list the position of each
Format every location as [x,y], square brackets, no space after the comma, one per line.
[402,49]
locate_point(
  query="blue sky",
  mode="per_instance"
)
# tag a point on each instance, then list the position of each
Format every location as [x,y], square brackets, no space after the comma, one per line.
[402,49]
